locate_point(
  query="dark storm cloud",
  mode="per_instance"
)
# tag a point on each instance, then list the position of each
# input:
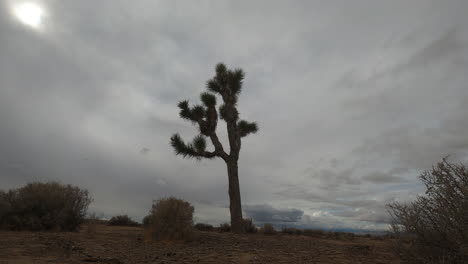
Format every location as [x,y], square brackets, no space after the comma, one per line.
[352,99]
[268,214]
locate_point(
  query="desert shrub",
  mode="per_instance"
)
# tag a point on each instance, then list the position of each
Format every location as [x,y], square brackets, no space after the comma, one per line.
[249,226]
[122,220]
[171,219]
[146,221]
[313,232]
[95,220]
[434,227]
[291,231]
[389,235]
[44,206]
[378,237]
[343,236]
[91,222]
[204,227]
[5,205]
[268,229]
[224,227]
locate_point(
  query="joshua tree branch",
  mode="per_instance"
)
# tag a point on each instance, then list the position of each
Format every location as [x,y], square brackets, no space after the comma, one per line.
[219,150]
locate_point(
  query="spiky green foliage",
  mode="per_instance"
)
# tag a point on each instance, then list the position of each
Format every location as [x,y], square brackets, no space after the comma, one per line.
[193,114]
[198,112]
[228,84]
[181,148]
[228,112]
[246,128]
[220,69]
[208,99]
[199,143]
[235,79]
[213,86]
[183,104]
[196,149]
[223,111]
[185,112]
[226,81]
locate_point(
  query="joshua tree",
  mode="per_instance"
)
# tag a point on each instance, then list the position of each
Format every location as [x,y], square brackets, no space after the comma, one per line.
[228,84]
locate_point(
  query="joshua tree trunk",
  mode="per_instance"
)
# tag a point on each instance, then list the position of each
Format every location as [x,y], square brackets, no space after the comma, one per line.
[235,206]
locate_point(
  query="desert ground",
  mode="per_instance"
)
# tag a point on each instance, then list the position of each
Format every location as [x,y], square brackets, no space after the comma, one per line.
[118,245]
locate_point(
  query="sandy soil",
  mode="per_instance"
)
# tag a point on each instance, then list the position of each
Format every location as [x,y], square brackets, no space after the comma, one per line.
[118,245]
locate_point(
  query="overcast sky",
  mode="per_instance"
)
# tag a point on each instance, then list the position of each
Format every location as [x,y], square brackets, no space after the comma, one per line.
[353,99]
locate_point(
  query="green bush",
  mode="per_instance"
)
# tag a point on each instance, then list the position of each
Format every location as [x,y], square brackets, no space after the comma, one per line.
[122,220]
[171,219]
[44,206]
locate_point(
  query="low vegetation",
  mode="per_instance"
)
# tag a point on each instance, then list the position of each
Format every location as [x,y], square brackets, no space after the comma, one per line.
[44,206]
[434,227]
[146,221]
[291,231]
[224,227]
[204,227]
[431,229]
[249,226]
[268,229]
[171,219]
[122,220]
[314,232]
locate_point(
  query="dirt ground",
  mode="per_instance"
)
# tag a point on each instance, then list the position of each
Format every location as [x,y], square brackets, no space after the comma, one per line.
[118,245]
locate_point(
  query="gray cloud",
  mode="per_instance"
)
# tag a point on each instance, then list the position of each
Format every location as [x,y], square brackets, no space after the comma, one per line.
[331,179]
[268,214]
[352,104]
[381,177]
[380,216]
[144,151]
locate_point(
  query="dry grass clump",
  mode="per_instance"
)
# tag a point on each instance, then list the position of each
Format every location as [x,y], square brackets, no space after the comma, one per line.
[146,222]
[341,235]
[249,226]
[434,227]
[313,232]
[268,229]
[291,231]
[224,227]
[122,220]
[204,227]
[171,220]
[91,222]
[44,206]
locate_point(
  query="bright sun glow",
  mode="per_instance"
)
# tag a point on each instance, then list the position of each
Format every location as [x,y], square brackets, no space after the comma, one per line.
[30,14]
